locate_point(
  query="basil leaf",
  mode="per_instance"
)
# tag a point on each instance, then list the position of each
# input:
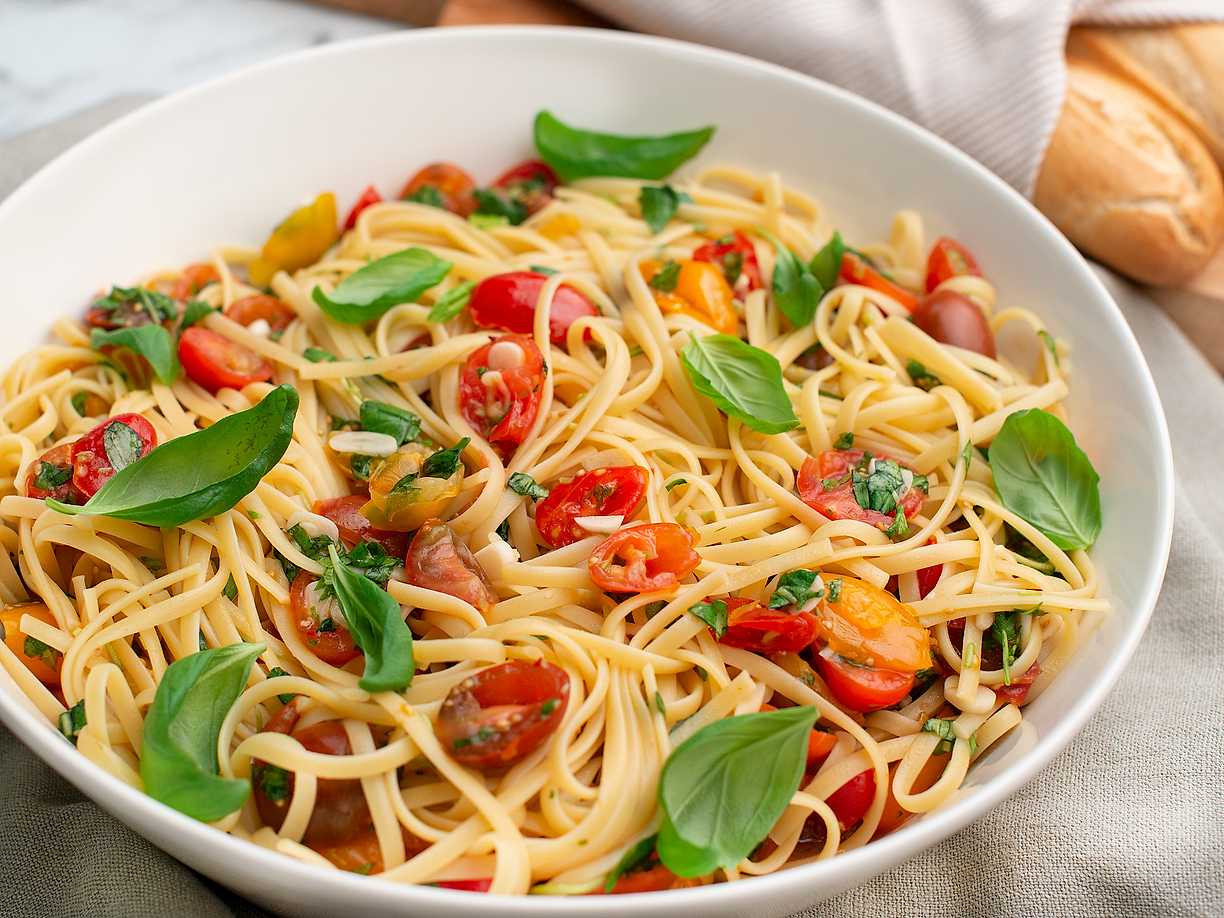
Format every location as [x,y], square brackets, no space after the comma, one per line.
[543,269]
[379,417]
[199,475]
[126,304]
[444,462]
[826,264]
[844,440]
[575,153]
[178,758]
[796,292]
[194,312]
[522,483]
[666,278]
[923,378]
[659,204]
[73,721]
[427,194]
[713,614]
[230,590]
[318,355]
[452,302]
[491,203]
[795,588]
[370,291]
[488,221]
[377,623]
[725,787]
[152,342]
[1051,345]
[1045,478]
[51,476]
[121,444]
[899,528]
[372,560]
[633,858]
[743,381]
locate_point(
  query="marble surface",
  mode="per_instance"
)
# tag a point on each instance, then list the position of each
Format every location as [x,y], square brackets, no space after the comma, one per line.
[60,56]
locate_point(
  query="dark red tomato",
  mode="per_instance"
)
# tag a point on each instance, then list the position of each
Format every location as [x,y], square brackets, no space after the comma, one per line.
[951,318]
[1017,692]
[650,877]
[498,716]
[192,280]
[97,456]
[477,886]
[453,186]
[600,492]
[330,641]
[499,390]
[852,800]
[261,306]
[949,258]
[814,358]
[928,579]
[854,270]
[863,688]
[438,560]
[51,476]
[508,301]
[345,512]
[215,362]
[368,197]
[824,485]
[736,256]
[531,183]
[751,626]
[642,559]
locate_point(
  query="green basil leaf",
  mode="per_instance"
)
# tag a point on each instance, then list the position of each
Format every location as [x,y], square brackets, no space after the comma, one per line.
[543,269]
[826,264]
[130,305]
[178,758]
[377,623]
[1045,478]
[713,614]
[522,483]
[659,204]
[444,462]
[199,475]
[743,381]
[427,194]
[452,302]
[725,787]
[50,476]
[575,153]
[923,378]
[194,312]
[491,203]
[370,291]
[795,588]
[666,278]
[152,342]
[634,857]
[318,355]
[379,417]
[121,444]
[796,292]
[1051,345]
[73,721]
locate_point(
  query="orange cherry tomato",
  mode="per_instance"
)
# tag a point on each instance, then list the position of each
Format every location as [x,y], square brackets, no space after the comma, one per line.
[949,258]
[952,318]
[501,401]
[701,292]
[216,362]
[50,475]
[438,560]
[736,256]
[452,184]
[193,279]
[863,688]
[354,527]
[261,306]
[368,197]
[508,301]
[752,626]
[298,240]
[600,492]
[871,626]
[825,485]
[41,660]
[641,559]
[319,629]
[94,459]
[854,270]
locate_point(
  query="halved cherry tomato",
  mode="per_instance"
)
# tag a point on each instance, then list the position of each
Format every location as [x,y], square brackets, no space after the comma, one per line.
[54,469]
[94,460]
[928,577]
[851,801]
[642,559]
[345,512]
[736,256]
[298,240]
[949,258]
[701,291]
[261,306]
[215,362]
[499,715]
[600,492]
[319,629]
[751,626]
[871,626]
[952,318]
[499,390]
[438,560]
[854,270]
[531,183]
[1017,692]
[825,485]
[192,280]
[368,197]
[508,301]
[863,688]
[402,509]
[894,816]
[41,660]
[453,185]
[481,885]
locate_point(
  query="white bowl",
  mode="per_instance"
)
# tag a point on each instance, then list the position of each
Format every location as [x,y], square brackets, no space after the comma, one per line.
[222,162]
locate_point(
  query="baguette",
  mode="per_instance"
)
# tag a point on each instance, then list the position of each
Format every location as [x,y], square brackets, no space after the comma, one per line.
[1128,182]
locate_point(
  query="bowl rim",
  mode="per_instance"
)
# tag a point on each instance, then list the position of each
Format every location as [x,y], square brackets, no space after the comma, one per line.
[253,862]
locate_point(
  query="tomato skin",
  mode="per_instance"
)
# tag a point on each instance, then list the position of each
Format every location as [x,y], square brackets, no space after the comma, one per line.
[453,185]
[617,491]
[60,457]
[839,503]
[508,301]
[726,251]
[863,688]
[948,259]
[192,280]
[298,240]
[1017,692]
[261,306]
[15,638]
[438,560]
[368,198]
[335,646]
[215,362]
[820,744]
[90,466]
[701,292]
[501,714]
[651,879]
[481,885]
[952,318]
[645,558]
[502,411]
[871,626]
[532,182]
[345,512]
[752,626]
[851,801]
[854,270]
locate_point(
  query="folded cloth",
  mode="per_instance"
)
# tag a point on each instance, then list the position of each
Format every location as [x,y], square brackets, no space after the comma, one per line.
[987,75]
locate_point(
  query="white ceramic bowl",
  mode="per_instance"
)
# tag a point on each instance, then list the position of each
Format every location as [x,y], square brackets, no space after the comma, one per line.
[220,163]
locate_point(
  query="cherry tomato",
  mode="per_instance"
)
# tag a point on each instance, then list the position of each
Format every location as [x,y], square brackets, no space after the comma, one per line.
[1017,692]
[949,258]
[215,362]
[869,625]
[894,815]
[481,885]
[438,560]
[508,301]
[825,485]
[499,715]
[499,390]
[261,306]
[41,660]
[814,358]
[645,558]
[345,512]
[600,492]
[405,509]
[368,197]
[652,876]
[736,256]
[54,469]
[863,688]
[952,318]
[319,629]
[531,182]
[192,280]
[852,800]
[94,459]
[928,577]
[820,744]
[751,626]
[854,270]
[701,291]
[298,240]
[453,185]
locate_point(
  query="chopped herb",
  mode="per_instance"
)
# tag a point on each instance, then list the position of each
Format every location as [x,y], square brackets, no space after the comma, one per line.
[72,721]
[844,441]
[636,351]
[548,707]
[660,704]
[943,728]
[203,644]
[379,417]
[365,869]
[675,483]
[327,625]
[702,674]
[371,559]
[318,355]
[827,394]
[923,378]
[900,526]
[284,697]
[880,489]
[832,484]
[713,614]
[230,590]
[503,530]
[253,515]
[153,564]
[733,265]
[274,782]
[125,303]
[967,454]
[427,194]
[483,735]
[290,569]
[666,277]
[522,483]
[602,492]
[834,588]
[194,312]
[490,203]
[659,204]
[37,650]
[543,269]
[314,547]
[795,588]
[452,302]
[654,608]
[922,483]
[1006,631]
[78,402]
[444,462]
[1051,345]
[122,445]
[488,221]
[50,476]
[360,466]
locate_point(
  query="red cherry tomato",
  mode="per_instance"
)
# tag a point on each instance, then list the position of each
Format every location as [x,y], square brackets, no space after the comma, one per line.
[851,801]
[751,626]
[93,464]
[508,301]
[531,182]
[863,688]
[438,560]
[330,641]
[824,485]
[55,469]
[261,306]
[736,256]
[820,744]
[498,716]
[600,492]
[501,402]
[453,185]
[642,559]
[192,280]
[368,197]
[1017,692]
[215,362]
[928,579]
[854,270]
[477,886]
[949,258]
[345,512]
[951,318]
[650,877]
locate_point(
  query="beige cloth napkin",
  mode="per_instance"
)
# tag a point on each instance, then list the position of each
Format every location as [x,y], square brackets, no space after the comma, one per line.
[1127,823]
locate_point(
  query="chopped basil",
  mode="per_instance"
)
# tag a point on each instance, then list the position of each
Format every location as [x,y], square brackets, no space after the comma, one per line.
[37,650]
[966,455]
[125,303]
[274,782]
[796,291]
[880,489]
[659,204]
[73,721]
[522,483]
[900,526]
[360,466]
[743,381]
[194,312]
[487,221]
[548,707]
[318,355]
[444,462]
[370,291]
[492,203]
[78,402]
[733,265]
[636,857]
[834,587]
[152,342]
[122,445]
[452,302]
[379,417]
[372,560]
[1006,631]
[922,377]
[666,277]
[675,483]
[543,269]
[284,697]
[844,441]
[660,705]
[503,530]
[795,588]
[943,728]
[713,613]
[575,153]
[230,590]
[51,476]
[427,194]
[826,264]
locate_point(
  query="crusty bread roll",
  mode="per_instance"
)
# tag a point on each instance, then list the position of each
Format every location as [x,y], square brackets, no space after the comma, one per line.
[1128,181]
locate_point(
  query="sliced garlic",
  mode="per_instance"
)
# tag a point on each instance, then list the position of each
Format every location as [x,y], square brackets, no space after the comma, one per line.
[506,355]
[362,443]
[496,557]
[261,328]
[313,525]
[604,525]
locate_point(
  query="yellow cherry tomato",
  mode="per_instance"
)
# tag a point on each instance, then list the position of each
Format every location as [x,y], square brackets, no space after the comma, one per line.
[701,292]
[871,626]
[299,240]
[402,503]
[43,661]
